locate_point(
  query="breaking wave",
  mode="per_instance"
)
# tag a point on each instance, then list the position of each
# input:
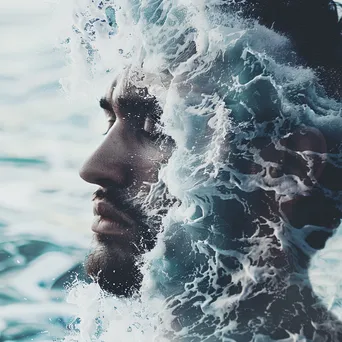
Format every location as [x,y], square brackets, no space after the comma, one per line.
[250,125]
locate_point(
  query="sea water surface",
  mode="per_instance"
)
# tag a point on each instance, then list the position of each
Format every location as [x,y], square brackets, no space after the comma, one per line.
[50,123]
[45,208]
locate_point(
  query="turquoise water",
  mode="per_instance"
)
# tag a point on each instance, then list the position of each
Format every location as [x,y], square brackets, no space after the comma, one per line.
[45,209]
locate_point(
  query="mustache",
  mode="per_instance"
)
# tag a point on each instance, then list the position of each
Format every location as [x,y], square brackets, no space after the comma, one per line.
[122,200]
[114,196]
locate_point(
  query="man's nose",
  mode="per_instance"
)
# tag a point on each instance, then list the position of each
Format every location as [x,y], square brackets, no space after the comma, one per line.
[109,164]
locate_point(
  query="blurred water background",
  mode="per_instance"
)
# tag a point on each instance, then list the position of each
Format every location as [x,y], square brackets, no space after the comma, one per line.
[45,209]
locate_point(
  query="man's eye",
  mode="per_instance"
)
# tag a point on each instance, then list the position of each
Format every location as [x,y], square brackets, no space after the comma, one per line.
[152,136]
[110,124]
[150,130]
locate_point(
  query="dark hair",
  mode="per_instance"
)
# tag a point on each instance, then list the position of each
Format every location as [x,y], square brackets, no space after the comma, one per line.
[313,27]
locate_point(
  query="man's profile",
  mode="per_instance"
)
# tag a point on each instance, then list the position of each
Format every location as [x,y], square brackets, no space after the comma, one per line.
[126,161]
[260,193]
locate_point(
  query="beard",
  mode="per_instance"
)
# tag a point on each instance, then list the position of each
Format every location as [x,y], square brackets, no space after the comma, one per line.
[115,261]
[114,266]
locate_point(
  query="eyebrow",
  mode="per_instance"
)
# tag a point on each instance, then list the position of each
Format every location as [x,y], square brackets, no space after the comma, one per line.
[140,105]
[132,103]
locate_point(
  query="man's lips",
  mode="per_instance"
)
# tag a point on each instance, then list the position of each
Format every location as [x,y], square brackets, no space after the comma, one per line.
[111,221]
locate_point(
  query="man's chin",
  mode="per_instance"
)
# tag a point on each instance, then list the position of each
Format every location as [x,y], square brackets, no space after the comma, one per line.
[113,265]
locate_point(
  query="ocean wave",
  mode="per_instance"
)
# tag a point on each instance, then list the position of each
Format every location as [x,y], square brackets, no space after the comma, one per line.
[257,139]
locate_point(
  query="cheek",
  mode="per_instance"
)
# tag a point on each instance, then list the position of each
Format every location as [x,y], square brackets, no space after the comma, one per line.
[146,162]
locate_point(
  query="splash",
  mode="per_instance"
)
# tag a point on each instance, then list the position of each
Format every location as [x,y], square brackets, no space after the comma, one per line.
[102,318]
[253,130]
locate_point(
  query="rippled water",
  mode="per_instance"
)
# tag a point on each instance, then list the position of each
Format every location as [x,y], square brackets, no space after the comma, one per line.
[45,209]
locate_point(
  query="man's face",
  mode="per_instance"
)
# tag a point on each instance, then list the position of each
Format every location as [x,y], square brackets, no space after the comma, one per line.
[124,166]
